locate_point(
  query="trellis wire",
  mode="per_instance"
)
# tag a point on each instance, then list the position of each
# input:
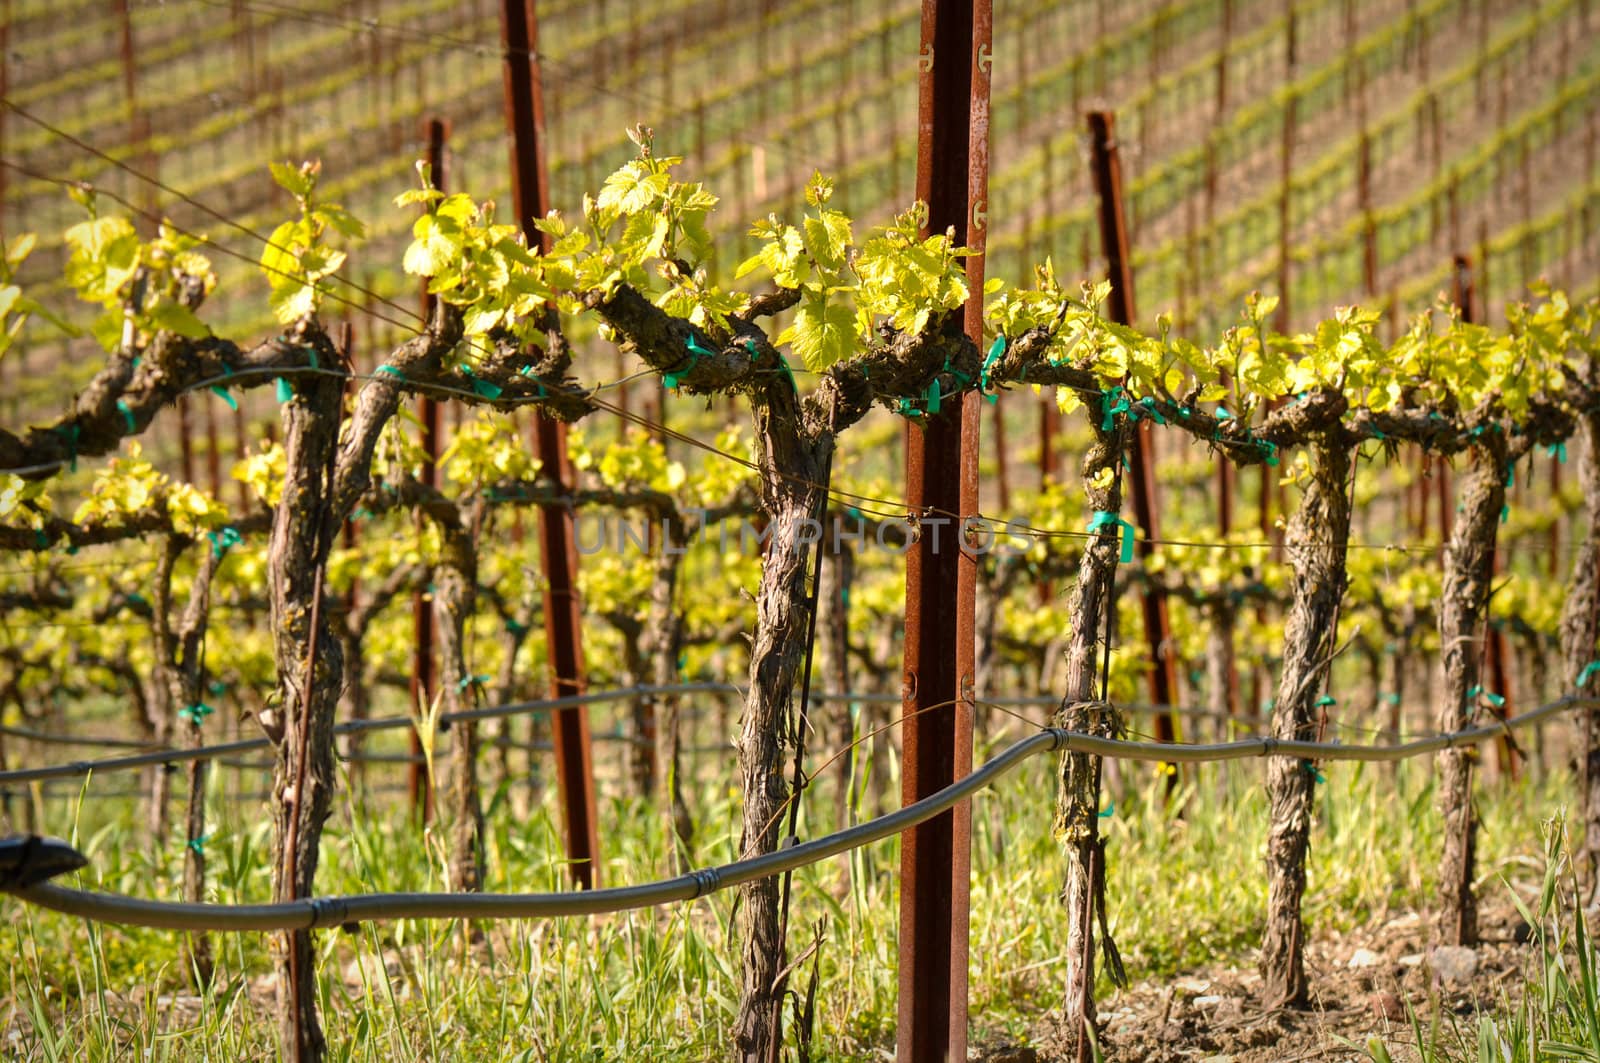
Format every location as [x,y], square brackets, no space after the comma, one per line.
[155,755]
[347,911]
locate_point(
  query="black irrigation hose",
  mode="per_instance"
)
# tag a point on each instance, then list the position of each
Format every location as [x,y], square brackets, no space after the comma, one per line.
[24,862]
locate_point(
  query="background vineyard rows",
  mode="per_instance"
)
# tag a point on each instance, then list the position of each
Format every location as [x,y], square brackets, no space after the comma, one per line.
[1440,126]
[1333,151]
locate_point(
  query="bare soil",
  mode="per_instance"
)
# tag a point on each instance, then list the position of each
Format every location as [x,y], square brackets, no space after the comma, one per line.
[1211,1014]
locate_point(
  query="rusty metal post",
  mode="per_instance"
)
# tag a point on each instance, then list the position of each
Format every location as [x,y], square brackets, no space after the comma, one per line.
[241,446]
[1223,45]
[1106,166]
[1049,418]
[1462,290]
[5,89]
[980,58]
[185,440]
[558,553]
[1554,560]
[1369,228]
[213,456]
[935,858]
[1002,471]
[1285,185]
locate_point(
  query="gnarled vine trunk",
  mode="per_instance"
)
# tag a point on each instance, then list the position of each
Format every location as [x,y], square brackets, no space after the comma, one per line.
[1077,821]
[303,780]
[159,709]
[1221,617]
[1580,630]
[833,605]
[186,667]
[1468,571]
[455,581]
[1315,543]
[789,464]
[663,637]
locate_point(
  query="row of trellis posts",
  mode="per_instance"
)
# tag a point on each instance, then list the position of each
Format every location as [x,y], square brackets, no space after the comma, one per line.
[939,666]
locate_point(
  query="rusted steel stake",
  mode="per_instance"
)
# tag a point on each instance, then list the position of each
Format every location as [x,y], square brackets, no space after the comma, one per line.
[185,440]
[982,65]
[1106,166]
[213,456]
[558,555]
[424,684]
[138,120]
[952,118]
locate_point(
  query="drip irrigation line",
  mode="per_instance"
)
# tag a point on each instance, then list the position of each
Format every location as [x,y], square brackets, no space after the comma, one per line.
[25,860]
[92,741]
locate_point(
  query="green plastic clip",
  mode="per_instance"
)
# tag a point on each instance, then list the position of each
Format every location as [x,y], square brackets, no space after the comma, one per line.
[196,713]
[221,540]
[75,430]
[1113,402]
[1103,519]
[996,349]
[127,416]
[483,387]
[696,352]
[1490,696]
[1587,674]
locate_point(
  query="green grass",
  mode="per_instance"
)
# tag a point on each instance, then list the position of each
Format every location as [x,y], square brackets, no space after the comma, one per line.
[1185,891]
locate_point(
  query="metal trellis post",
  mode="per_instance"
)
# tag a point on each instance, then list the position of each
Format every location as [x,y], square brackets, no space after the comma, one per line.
[558,555]
[1106,166]
[953,64]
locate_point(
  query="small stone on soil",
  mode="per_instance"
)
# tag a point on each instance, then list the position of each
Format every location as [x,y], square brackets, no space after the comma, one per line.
[1365,958]
[1453,964]
[1012,1054]
[1387,1006]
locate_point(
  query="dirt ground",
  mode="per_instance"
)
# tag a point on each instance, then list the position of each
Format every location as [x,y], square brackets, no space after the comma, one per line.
[1363,984]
